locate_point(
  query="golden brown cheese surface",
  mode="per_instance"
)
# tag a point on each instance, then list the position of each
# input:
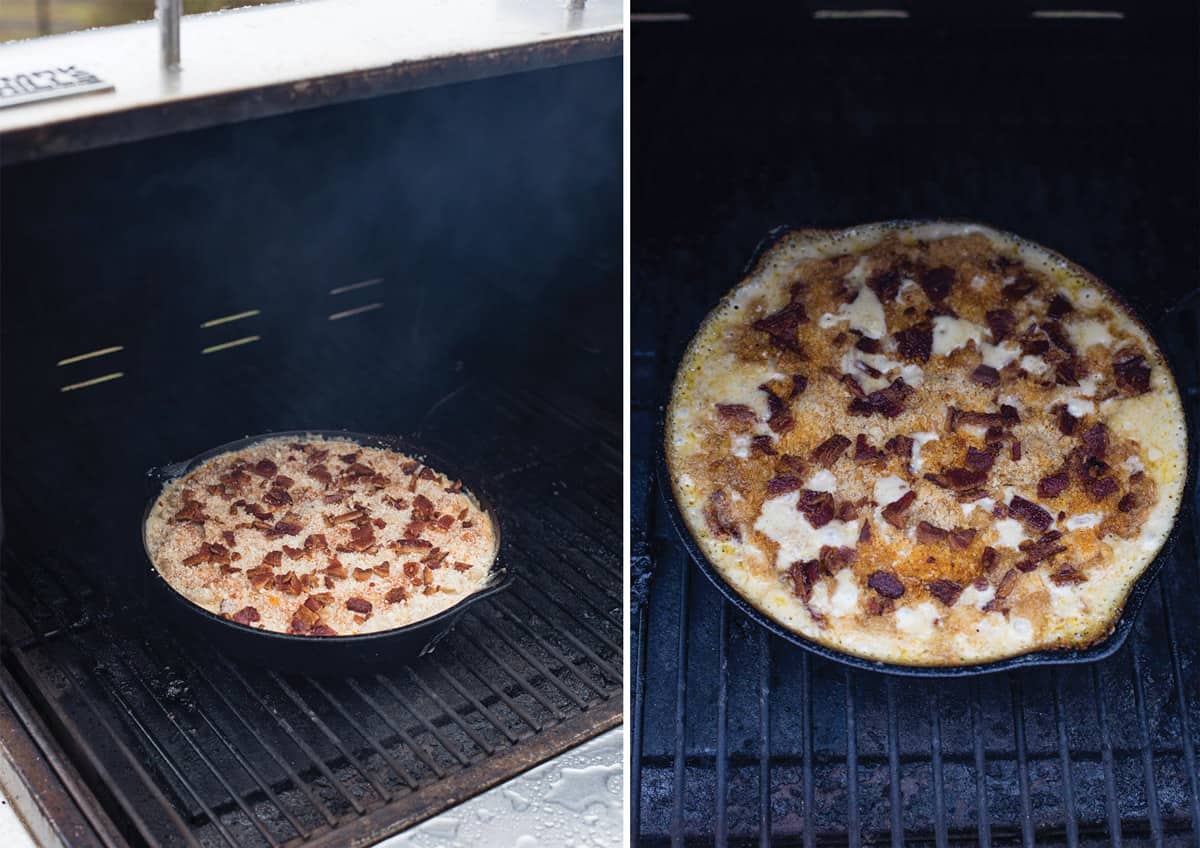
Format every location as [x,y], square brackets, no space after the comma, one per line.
[927,444]
[320,537]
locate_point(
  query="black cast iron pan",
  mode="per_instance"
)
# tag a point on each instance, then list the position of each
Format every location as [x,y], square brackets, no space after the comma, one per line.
[1097,651]
[314,654]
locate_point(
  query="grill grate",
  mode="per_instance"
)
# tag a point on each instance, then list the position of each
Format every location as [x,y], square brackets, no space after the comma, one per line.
[740,738]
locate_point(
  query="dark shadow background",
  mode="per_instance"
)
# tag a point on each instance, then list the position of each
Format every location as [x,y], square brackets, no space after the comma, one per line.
[1080,134]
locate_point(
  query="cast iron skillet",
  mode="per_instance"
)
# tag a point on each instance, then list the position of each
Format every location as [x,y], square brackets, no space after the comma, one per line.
[1097,651]
[313,654]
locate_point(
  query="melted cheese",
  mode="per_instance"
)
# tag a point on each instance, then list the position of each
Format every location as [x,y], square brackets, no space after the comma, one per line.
[949,334]
[1088,332]
[889,489]
[798,540]
[919,441]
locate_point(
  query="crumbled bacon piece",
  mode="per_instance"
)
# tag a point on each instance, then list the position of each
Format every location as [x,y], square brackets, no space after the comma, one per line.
[1001,322]
[322,630]
[987,559]
[321,474]
[273,559]
[336,569]
[304,619]
[946,591]
[1007,582]
[362,575]
[1095,440]
[350,458]
[353,515]
[719,515]
[930,533]
[1003,418]
[852,385]
[396,595]
[1030,514]
[293,553]
[781,326]
[445,522]
[1038,551]
[901,446]
[864,535]
[830,450]
[737,412]
[937,282]
[817,507]
[804,576]
[422,509]
[763,445]
[359,469]
[1014,450]
[888,401]
[1128,503]
[266,468]
[780,419]
[409,545]
[1066,421]
[259,576]
[846,511]
[959,479]
[915,343]
[192,511]
[318,602]
[985,375]
[886,583]
[863,452]
[289,525]
[359,605]
[1066,575]
[962,537]
[1100,488]
[1053,485]
[1018,288]
[834,559]
[894,513]
[1131,372]
[783,484]
[885,284]
[289,583]
[246,615]
[1059,306]
[382,569]
[982,460]
[867,344]
[869,370]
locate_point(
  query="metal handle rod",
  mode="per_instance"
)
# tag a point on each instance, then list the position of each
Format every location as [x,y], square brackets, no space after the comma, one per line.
[168,13]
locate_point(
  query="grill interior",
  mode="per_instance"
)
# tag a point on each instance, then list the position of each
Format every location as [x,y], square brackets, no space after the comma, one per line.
[444,265]
[1053,128]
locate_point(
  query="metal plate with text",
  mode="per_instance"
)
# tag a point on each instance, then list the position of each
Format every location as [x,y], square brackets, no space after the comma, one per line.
[49,84]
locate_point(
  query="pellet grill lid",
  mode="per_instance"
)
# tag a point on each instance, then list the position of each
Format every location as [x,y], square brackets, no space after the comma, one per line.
[266,60]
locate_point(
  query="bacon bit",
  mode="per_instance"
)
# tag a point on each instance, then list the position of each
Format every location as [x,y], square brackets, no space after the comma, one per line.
[316,542]
[763,445]
[830,450]
[982,460]
[273,559]
[321,474]
[817,507]
[317,454]
[780,420]
[834,559]
[196,558]
[1034,345]
[318,602]
[289,583]
[1055,332]
[1030,514]
[422,509]
[304,619]
[915,343]
[412,569]
[446,522]
[867,345]
[293,553]
[462,566]
[396,595]
[400,545]
[864,535]
[1066,575]
[1001,322]
[454,488]
[259,576]
[353,515]
[719,515]
[192,511]
[335,568]
[1005,417]
[781,326]
[266,468]
[1059,306]
[426,473]
[962,537]
[1044,548]
[930,533]
[737,412]
[901,446]
[1131,372]
[869,370]
[362,575]
[886,583]
[970,495]
[1053,485]
[804,576]
[988,558]
[1101,487]
[1020,287]
[863,452]
[359,605]
[350,458]
[1128,503]
[435,558]
[937,282]
[1095,440]
[426,577]
[946,591]
[894,513]
[1014,450]
[1007,582]
[959,479]
[847,511]
[322,630]
[335,497]
[852,385]
[888,402]
[783,484]
[358,469]
[985,375]
[885,284]
[246,615]
[1066,421]
[289,525]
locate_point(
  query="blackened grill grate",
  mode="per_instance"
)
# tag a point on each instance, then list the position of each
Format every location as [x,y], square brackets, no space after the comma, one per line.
[186,747]
[740,738]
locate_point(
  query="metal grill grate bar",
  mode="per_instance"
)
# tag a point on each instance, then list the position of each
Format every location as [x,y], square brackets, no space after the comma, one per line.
[722,826]
[935,760]
[1064,754]
[893,738]
[983,817]
[764,735]
[853,829]
[678,787]
[1022,747]
[1106,748]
